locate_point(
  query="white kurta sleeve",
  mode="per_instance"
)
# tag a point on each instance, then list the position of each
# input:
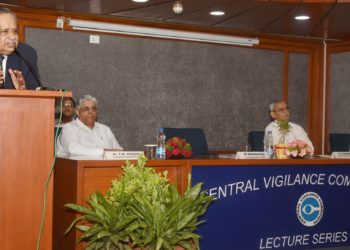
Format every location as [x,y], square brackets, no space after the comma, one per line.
[115,143]
[69,144]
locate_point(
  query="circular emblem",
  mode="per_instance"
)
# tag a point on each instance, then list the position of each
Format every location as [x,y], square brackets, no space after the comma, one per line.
[310,209]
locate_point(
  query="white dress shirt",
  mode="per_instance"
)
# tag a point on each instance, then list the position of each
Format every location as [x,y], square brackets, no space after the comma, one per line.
[296,132]
[76,139]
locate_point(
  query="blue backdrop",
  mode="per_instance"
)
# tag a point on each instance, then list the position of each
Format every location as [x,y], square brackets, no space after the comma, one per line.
[275,207]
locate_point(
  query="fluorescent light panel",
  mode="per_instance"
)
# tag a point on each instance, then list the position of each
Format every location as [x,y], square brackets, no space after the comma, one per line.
[302,17]
[217,13]
[160,33]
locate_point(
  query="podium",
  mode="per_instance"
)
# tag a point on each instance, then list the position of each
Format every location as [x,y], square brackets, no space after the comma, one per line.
[26,156]
[77,179]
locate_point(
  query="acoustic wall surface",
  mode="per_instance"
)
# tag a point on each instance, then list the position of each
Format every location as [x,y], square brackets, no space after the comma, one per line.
[143,84]
[339,93]
[298,88]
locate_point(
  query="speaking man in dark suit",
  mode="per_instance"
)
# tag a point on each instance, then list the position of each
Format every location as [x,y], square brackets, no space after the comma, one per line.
[18,61]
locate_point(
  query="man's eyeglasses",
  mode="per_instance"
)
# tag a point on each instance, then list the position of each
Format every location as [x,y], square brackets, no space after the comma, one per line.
[68,105]
[282,109]
[88,109]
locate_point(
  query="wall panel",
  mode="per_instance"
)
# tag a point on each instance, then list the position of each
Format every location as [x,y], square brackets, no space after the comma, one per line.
[339,93]
[298,87]
[143,84]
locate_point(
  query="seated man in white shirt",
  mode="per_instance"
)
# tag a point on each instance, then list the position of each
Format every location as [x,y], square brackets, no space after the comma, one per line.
[85,136]
[280,111]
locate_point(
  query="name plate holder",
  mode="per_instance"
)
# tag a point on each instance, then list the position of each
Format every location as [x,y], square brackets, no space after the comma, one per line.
[251,155]
[340,155]
[121,155]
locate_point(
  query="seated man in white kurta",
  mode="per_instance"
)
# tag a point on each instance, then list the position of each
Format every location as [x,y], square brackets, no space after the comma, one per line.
[85,136]
[280,111]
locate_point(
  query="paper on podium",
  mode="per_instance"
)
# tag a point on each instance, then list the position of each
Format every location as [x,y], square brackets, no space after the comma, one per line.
[251,155]
[121,155]
[341,155]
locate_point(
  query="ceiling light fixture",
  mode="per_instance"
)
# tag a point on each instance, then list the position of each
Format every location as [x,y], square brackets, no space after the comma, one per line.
[178,7]
[160,33]
[302,17]
[140,1]
[217,13]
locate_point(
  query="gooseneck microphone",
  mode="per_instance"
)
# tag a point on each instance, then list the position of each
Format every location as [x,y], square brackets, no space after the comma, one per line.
[30,67]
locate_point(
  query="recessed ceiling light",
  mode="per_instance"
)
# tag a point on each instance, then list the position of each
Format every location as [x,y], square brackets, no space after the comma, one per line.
[302,17]
[178,7]
[217,13]
[140,1]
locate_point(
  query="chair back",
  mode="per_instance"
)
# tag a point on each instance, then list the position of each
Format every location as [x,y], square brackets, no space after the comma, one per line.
[339,142]
[256,140]
[194,136]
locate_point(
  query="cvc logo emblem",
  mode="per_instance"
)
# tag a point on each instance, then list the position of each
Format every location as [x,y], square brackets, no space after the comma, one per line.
[310,209]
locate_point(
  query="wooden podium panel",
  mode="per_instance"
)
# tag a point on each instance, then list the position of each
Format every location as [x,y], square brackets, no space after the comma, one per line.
[76,180]
[26,155]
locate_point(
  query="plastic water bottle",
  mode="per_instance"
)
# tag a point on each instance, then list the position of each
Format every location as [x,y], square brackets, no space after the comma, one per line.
[161,144]
[269,147]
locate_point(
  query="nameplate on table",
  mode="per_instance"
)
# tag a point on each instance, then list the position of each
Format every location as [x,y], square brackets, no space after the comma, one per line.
[121,155]
[251,155]
[341,155]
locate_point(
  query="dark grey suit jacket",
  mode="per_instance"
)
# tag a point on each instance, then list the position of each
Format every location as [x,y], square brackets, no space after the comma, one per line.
[25,60]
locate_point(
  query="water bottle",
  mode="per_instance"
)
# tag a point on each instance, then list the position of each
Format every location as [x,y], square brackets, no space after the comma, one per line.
[269,147]
[161,145]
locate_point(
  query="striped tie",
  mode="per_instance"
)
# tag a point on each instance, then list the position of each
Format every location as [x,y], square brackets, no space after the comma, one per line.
[2,80]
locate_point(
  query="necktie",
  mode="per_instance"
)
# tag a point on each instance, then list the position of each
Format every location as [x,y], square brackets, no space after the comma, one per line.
[2,80]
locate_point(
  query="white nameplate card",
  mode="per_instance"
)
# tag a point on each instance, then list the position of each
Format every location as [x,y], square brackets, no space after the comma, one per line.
[340,155]
[251,155]
[121,155]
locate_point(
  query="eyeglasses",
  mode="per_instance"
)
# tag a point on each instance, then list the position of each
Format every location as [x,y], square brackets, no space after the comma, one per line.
[88,109]
[68,105]
[282,109]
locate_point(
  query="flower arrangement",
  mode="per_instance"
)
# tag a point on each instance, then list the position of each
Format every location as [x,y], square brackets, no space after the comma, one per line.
[298,148]
[177,147]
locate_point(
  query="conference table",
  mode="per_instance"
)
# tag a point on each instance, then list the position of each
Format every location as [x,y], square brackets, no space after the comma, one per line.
[258,204]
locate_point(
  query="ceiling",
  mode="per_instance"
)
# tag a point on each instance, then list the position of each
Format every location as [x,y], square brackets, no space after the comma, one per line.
[329,19]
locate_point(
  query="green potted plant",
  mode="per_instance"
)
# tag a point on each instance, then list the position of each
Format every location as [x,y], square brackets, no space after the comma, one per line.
[283,126]
[142,210]
[280,148]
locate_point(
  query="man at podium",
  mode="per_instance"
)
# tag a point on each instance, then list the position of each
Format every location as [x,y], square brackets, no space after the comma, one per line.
[85,136]
[18,61]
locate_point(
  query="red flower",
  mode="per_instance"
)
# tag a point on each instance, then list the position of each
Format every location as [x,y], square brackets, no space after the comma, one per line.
[176,151]
[177,146]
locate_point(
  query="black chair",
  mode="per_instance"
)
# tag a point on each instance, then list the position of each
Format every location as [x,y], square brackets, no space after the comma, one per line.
[339,142]
[256,140]
[194,136]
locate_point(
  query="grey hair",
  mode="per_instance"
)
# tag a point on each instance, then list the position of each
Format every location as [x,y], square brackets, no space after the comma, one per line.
[272,105]
[85,98]
[4,10]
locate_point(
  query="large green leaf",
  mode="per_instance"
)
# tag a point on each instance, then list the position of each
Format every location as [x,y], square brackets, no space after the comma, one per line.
[103,234]
[80,209]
